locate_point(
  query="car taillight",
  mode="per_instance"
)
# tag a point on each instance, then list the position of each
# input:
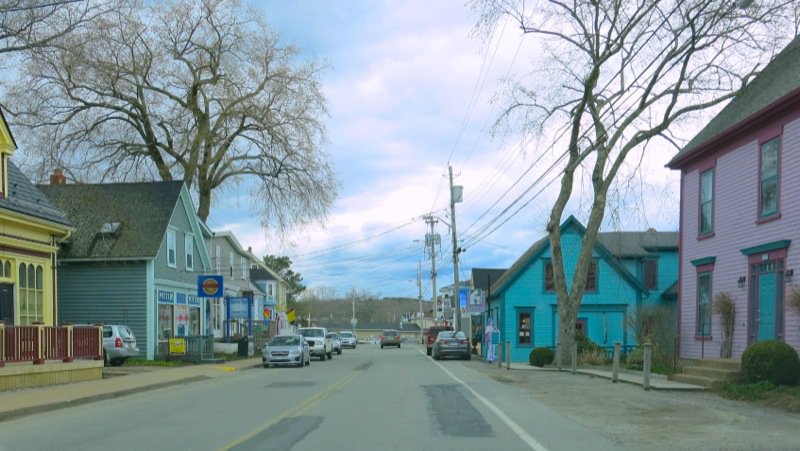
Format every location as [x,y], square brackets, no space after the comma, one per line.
[118,343]
[463,342]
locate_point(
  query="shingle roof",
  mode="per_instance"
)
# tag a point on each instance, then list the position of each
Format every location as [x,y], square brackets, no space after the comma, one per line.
[143,211]
[779,79]
[24,197]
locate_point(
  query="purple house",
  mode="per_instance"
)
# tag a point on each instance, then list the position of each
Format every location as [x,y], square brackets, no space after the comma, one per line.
[740,216]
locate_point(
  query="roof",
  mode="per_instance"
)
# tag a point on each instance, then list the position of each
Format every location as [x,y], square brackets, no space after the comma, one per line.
[779,80]
[611,245]
[142,212]
[482,278]
[23,197]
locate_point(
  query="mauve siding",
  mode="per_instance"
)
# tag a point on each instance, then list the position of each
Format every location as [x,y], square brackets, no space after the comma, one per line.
[735,228]
[110,293]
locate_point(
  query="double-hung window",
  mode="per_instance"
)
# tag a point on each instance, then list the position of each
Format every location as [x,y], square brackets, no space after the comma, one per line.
[524,328]
[706,226]
[188,243]
[703,328]
[651,274]
[768,178]
[172,251]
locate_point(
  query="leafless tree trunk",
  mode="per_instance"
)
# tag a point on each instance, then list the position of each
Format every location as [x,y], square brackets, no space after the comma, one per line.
[619,74]
[197,90]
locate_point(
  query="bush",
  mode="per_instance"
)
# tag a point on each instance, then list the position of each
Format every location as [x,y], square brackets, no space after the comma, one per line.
[773,361]
[541,357]
[585,344]
[635,359]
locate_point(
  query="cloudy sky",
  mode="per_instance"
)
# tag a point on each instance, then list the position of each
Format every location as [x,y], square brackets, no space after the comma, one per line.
[410,90]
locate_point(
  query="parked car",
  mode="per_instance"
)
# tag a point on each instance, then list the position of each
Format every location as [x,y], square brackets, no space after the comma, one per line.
[390,337]
[286,350]
[336,343]
[348,339]
[449,343]
[119,344]
[431,334]
[319,343]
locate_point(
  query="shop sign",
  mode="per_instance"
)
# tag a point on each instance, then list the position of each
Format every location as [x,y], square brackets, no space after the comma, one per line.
[210,286]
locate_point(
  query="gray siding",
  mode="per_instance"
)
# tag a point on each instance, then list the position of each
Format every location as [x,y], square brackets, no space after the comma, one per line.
[110,293]
[180,222]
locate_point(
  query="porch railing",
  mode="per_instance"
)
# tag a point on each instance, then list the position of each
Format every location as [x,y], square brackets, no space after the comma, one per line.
[39,343]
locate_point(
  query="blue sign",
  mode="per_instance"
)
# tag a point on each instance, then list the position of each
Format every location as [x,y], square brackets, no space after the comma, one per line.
[166,297]
[210,286]
[239,307]
[181,298]
[194,300]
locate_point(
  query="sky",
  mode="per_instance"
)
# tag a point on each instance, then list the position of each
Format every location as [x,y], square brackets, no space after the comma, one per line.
[412,91]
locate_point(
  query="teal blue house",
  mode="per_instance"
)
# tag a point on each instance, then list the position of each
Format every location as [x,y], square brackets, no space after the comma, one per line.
[629,271]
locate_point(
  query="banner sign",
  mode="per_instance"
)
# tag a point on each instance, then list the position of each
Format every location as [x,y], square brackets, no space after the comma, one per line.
[210,286]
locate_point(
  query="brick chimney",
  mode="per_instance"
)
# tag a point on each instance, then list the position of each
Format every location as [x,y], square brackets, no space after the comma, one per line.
[58,177]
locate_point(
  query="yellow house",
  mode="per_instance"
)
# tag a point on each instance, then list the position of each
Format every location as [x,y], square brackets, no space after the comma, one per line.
[31,229]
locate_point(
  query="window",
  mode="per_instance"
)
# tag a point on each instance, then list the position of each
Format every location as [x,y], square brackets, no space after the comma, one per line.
[549,282]
[707,202]
[230,263]
[243,264]
[591,276]
[31,294]
[524,328]
[768,178]
[165,321]
[188,242]
[651,274]
[703,328]
[171,249]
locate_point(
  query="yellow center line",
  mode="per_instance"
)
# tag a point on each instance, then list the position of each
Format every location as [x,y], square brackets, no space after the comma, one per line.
[297,411]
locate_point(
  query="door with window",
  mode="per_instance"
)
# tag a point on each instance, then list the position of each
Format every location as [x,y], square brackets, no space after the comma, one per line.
[7,303]
[766,300]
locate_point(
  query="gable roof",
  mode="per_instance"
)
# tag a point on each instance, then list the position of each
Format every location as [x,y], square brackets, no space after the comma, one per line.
[779,82]
[611,246]
[141,210]
[23,197]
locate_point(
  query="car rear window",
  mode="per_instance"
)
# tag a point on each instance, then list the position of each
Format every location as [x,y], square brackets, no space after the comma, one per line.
[124,332]
[389,333]
[445,334]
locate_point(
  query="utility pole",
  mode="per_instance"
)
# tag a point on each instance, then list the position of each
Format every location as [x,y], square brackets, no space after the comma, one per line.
[455,196]
[419,286]
[430,240]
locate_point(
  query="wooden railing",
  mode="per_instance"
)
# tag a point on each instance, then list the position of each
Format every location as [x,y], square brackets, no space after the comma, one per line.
[39,343]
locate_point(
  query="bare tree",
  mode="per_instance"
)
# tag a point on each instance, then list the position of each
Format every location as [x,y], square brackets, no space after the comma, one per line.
[618,74]
[26,24]
[193,89]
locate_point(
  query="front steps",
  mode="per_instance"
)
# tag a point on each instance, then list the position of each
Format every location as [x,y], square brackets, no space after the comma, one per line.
[709,372]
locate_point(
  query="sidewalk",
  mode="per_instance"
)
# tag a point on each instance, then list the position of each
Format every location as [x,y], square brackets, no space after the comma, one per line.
[657,381]
[122,381]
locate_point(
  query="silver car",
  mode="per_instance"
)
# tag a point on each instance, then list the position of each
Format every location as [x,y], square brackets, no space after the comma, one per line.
[348,339]
[336,343]
[286,350]
[119,344]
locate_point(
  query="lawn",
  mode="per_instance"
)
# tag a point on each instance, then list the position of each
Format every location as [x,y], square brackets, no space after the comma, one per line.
[764,394]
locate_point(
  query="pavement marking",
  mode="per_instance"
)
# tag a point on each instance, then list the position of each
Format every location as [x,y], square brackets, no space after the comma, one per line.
[297,411]
[227,368]
[524,436]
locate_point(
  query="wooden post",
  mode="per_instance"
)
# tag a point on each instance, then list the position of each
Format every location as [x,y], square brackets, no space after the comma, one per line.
[508,354]
[499,350]
[574,357]
[39,344]
[558,356]
[615,372]
[648,356]
[70,348]
[99,342]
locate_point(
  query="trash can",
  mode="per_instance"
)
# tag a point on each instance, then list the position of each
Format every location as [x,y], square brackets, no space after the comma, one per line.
[243,347]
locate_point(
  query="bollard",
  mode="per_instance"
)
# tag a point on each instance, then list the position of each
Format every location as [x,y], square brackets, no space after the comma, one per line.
[615,371]
[508,354]
[574,357]
[558,356]
[646,370]
[499,353]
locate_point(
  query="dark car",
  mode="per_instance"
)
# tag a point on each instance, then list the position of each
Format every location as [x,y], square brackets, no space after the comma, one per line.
[451,344]
[431,334]
[390,337]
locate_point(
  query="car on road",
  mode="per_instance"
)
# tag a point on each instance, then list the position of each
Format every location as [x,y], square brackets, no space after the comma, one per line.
[390,337]
[286,350]
[335,342]
[451,344]
[119,344]
[431,334]
[319,343]
[348,339]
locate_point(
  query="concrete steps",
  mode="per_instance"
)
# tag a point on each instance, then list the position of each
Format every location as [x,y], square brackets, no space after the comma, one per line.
[709,372]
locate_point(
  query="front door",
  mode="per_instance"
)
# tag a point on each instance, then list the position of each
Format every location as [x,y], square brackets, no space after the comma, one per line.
[7,303]
[768,297]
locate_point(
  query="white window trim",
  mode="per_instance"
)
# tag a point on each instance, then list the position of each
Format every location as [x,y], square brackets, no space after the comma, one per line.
[172,244]
[188,243]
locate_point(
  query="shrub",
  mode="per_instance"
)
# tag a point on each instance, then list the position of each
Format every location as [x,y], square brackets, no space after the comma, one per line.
[541,356]
[773,361]
[585,344]
[595,357]
[635,359]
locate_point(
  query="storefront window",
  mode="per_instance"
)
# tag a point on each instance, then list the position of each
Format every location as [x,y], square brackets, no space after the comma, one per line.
[165,321]
[194,321]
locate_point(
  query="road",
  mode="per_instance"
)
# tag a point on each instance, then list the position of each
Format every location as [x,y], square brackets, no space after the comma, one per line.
[399,399]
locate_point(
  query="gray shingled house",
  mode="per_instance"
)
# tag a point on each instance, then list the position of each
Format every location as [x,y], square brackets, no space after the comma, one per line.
[133,259]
